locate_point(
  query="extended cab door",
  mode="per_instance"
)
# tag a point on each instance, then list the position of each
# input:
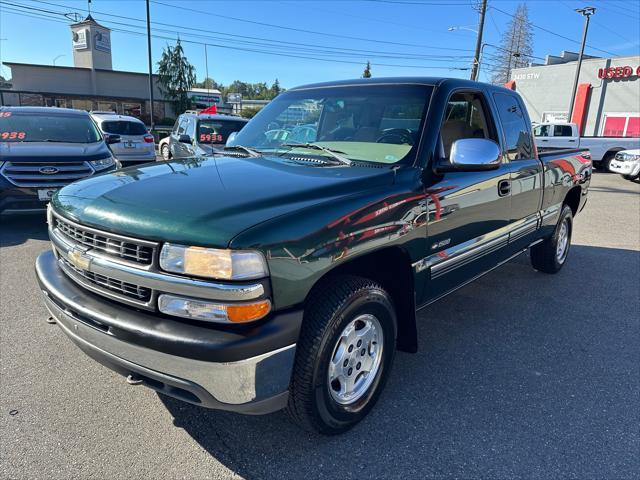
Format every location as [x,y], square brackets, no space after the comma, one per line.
[468,211]
[524,167]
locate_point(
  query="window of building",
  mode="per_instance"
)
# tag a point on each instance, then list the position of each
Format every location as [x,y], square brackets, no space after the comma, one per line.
[108,106]
[621,125]
[82,104]
[31,100]
[466,117]
[514,123]
[132,109]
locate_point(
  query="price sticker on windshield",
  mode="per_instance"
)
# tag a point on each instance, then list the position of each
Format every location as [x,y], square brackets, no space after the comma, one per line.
[12,135]
[210,137]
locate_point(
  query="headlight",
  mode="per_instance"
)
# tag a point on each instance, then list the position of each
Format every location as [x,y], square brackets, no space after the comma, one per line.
[629,157]
[212,262]
[102,163]
[212,311]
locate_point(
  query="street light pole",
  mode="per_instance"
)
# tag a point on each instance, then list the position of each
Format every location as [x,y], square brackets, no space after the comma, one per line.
[476,57]
[150,68]
[586,12]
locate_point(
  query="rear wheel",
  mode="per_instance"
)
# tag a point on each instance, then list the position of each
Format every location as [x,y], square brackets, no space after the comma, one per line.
[550,255]
[166,154]
[343,356]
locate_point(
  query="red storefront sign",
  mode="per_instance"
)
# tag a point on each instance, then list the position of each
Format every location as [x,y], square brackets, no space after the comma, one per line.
[619,72]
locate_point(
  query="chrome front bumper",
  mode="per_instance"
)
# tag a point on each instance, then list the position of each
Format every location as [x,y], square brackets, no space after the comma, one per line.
[254,385]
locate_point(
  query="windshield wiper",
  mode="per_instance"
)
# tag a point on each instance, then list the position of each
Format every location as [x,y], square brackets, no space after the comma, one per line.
[249,151]
[336,154]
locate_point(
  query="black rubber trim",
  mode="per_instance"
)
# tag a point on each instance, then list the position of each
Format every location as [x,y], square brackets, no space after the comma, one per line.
[163,334]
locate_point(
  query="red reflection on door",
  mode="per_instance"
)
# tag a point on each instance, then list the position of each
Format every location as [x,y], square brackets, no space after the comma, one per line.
[633,127]
[614,126]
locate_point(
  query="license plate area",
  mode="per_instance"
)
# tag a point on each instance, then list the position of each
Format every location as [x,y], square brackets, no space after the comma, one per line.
[45,194]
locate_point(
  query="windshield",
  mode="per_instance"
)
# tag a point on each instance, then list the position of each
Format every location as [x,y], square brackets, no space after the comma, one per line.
[375,123]
[43,127]
[217,131]
[123,127]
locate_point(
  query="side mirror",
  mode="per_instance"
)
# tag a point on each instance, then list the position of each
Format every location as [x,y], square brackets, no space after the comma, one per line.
[111,138]
[472,155]
[230,138]
[184,138]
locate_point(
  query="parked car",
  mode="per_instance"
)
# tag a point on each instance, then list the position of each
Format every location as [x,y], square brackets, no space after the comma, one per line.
[196,135]
[286,274]
[627,164]
[43,149]
[136,144]
[565,135]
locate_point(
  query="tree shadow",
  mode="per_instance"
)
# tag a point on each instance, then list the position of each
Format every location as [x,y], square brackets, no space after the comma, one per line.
[518,374]
[17,229]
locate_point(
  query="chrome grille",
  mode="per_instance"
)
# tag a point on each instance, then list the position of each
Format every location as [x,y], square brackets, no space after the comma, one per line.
[112,245]
[31,174]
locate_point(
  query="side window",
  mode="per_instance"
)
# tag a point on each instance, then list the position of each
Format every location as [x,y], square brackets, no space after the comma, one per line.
[562,131]
[466,116]
[516,130]
[542,131]
[183,125]
[175,126]
[190,128]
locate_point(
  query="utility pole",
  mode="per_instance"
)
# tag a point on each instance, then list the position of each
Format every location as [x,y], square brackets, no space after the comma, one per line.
[586,12]
[150,68]
[476,57]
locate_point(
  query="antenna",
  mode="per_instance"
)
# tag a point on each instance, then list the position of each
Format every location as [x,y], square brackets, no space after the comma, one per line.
[89,6]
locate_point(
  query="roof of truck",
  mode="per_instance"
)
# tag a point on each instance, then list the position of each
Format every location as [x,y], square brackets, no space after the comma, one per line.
[433,81]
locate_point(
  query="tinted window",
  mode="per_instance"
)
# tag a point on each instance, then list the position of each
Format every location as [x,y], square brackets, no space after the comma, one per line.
[514,124]
[562,131]
[217,131]
[465,117]
[43,127]
[123,127]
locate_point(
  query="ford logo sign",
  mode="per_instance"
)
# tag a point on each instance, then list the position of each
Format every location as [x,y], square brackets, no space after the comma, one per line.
[49,170]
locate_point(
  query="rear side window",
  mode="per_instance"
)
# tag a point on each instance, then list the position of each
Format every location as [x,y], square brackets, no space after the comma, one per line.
[562,131]
[466,117]
[514,123]
[123,127]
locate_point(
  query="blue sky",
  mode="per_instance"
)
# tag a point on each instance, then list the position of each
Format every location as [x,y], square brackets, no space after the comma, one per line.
[379,30]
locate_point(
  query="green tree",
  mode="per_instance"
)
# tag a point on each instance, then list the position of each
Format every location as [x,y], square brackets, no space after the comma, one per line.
[249,112]
[367,71]
[275,89]
[176,76]
[208,83]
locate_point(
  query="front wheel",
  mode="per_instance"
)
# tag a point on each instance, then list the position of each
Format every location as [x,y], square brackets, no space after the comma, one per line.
[344,354]
[166,154]
[550,255]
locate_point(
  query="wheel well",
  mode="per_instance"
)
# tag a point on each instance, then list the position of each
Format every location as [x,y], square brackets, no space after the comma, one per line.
[611,153]
[391,267]
[573,199]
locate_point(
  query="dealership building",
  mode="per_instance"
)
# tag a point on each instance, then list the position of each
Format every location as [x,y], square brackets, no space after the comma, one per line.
[607,101]
[92,84]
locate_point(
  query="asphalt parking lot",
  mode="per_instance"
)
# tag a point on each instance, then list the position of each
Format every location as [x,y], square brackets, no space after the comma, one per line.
[518,375]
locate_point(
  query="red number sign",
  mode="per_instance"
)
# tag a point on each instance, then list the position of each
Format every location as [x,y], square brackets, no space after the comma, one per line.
[12,135]
[5,114]
[210,138]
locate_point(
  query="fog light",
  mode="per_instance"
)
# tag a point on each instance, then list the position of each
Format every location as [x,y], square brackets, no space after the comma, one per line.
[211,311]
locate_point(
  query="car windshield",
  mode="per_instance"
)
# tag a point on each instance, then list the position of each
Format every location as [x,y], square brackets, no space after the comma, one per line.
[374,123]
[123,127]
[44,127]
[217,131]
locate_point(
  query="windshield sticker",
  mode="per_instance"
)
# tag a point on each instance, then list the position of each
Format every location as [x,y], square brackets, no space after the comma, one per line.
[211,137]
[5,114]
[13,135]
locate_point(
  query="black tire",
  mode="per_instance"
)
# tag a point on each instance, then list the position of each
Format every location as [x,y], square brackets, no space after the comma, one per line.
[166,153]
[544,255]
[332,306]
[631,177]
[606,162]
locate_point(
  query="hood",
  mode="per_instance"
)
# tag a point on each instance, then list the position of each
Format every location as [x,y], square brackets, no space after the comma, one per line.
[207,201]
[52,151]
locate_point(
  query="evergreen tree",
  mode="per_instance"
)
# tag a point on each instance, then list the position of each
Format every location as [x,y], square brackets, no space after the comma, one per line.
[275,88]
[176,76]
[367,71]
[516,46]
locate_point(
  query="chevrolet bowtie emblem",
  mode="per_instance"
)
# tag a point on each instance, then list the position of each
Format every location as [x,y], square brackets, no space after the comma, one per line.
[78,259]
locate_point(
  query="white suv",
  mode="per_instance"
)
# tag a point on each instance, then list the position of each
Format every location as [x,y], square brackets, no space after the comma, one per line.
[627,164]
[136,143]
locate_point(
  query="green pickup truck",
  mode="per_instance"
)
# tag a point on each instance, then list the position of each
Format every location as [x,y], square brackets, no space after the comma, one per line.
[285,271]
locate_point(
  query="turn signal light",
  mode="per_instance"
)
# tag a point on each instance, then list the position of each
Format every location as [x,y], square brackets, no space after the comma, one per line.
[248,312]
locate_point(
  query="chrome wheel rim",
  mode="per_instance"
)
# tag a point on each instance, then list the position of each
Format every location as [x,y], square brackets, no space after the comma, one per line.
[165,153]
[562,245]
[356,359]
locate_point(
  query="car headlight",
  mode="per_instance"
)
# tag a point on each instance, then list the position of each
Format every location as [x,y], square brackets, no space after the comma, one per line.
[212,262]
[102,163]
[629,157]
